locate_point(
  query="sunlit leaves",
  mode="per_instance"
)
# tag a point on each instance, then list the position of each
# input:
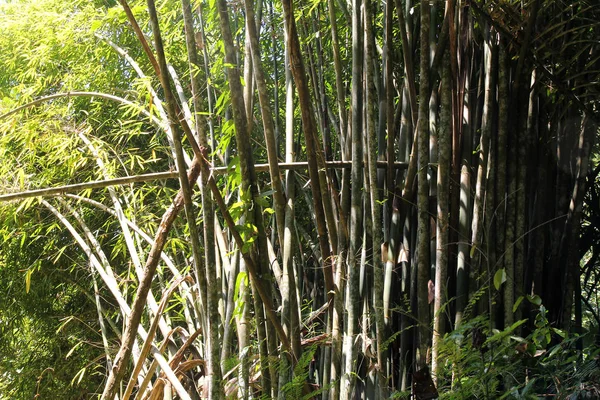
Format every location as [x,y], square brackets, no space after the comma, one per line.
[48,47]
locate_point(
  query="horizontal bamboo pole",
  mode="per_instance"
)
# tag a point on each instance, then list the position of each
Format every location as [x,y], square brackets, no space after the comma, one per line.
[166,175]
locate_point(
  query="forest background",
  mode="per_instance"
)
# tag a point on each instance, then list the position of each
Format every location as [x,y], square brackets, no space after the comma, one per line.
[299,199]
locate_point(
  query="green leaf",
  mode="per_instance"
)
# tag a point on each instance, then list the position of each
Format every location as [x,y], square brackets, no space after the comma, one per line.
[535,299]
[500,335]
[516,305]
[499,278]
[96,24]
[473,248]
[560,332]
[242,278]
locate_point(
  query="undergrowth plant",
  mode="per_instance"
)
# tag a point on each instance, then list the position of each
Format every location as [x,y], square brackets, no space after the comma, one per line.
[484,363]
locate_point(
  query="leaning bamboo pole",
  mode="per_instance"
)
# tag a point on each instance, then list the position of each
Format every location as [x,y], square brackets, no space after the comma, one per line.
[125,180]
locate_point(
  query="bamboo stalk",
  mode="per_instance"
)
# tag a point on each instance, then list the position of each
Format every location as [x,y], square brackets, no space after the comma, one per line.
[53,191]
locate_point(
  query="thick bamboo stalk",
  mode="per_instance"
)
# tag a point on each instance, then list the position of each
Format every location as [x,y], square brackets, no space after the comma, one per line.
[353,303]
[375,208]
[267,118]
[443,192]
[423,265]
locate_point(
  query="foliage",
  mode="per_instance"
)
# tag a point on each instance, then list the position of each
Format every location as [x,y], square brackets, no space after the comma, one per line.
[47,333]
[484,363]
[50,340]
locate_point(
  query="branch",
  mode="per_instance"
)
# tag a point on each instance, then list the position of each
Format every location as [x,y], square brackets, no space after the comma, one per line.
[87,185]
[296,166]
[82,94]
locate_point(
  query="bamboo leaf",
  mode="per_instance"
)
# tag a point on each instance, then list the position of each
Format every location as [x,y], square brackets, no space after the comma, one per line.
[73,349]
[499,278]
[79,376]
[28,280]
[517,303]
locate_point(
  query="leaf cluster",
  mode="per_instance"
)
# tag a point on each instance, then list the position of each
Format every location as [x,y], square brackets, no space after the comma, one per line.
[489,363]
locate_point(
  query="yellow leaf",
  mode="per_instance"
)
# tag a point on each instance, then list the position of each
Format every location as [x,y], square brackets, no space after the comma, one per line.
[473,248]
[28,280]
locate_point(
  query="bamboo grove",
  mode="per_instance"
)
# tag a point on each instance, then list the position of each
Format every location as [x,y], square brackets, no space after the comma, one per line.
[313,198]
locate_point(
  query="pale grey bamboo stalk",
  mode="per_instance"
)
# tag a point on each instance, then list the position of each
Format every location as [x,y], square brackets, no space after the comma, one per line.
[249,184]
[291,307]
[209,92]
[409,66]
[337,318]
[249,83]
[184,106]
[480,192]
[274,263]
[443,193]
[229,267]
[386,129]
[222,247]
[243,330]
[488,267]
[352,299]
[207,202]
[465,205]
[230,305]
[100,311]
[339,84]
